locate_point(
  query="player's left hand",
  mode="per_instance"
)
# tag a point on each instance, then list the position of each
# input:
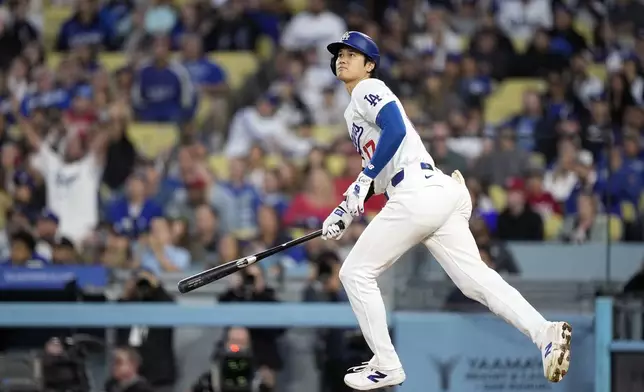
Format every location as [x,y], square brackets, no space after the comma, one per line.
[357,193]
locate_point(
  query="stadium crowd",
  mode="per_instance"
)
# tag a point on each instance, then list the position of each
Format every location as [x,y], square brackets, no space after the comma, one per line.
[167,136]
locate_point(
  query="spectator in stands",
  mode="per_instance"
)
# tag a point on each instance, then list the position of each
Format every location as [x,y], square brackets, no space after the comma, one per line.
[261,124]
[116,252]
[493,50]
[323,281]
[586,225]
[155,252]
[84,27]
[445,158]
[539,199]
[232,30]
[498,252]
[521,19]
[24,200]
[23,251]
[162,90]
[205,239]
[314,26]
[125,376]
[245,199]
[626,16]
[272,193]
[207,77]
[541,58]
[503,162]
[634,153]
[46,232]
[135,209]
[563,29]
[314,202]
[619,96]
[561,179]
[617,182]
[72,180]
[64,252]
[598,129]
[518,222]
[46,94]
[529,124]
[155,346]
[270,233]
[121,154]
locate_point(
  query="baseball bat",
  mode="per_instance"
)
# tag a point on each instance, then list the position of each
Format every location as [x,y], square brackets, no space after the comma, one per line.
[221,271]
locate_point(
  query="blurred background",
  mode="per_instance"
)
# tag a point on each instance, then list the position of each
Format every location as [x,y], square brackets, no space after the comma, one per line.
[145,140]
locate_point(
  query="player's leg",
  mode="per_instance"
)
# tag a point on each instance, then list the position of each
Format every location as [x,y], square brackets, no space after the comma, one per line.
[454,247]
[390,234]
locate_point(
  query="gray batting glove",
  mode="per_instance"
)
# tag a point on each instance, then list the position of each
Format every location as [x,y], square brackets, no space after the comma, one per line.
[331,228]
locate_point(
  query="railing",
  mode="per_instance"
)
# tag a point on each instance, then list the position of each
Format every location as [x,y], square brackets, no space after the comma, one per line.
[441,351]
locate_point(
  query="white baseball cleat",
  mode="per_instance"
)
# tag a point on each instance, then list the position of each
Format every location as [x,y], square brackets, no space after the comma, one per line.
[556,351]
[366,377]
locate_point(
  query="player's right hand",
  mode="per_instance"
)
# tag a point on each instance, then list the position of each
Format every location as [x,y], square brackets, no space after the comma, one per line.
[331,228]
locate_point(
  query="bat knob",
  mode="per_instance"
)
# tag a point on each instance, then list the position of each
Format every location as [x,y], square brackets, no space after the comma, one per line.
[185,286]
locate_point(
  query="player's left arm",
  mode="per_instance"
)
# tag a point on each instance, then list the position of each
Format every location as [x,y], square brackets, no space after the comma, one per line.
[377,104]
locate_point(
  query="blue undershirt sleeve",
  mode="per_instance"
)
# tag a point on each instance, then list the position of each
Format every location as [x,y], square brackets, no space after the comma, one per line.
[392,128]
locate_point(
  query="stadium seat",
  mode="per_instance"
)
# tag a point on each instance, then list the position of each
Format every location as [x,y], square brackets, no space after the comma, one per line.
[628,211]
[552,227]
[326,135]
[538,160]
[218,164]
[507,99]
[598,70]
[238,66]
[335,164]
[273,161]
[151,139]
[297,5]
[585,30]
[113,61]
[641,204]
[520,45]
[616,228]
[54,17]
[498,196]
[265,47]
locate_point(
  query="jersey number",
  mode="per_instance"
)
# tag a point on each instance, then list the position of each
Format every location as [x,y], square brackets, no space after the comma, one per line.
[369,148]
[373,99]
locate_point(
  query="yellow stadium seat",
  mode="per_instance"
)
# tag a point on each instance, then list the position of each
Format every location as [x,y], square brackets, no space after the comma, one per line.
[552,227]
[325,135]
[538,160]
[616,228]
[507,98]
[203,109]
[54,17]
[520,45]
[628,211]
[335,164]
[238,66]
[498,196]
[598,70]
[151,139]
[113,61]
[218,164]
[297,5]
[265,47]
[641,204]
[273,161]
[585,30]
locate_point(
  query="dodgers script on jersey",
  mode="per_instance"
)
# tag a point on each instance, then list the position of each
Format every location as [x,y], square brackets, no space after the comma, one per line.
[367,98]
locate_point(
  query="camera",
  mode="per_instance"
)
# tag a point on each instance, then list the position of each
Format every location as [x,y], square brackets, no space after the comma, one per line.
[65,371]
[236,370]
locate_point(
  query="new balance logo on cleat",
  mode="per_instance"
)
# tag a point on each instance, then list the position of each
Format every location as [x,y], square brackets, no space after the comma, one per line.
[548,350]
[377,376]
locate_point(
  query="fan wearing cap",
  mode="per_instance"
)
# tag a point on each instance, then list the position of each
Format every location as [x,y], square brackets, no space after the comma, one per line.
[23,195]
[519,222]
[46,232]
[23,252]
[135,207]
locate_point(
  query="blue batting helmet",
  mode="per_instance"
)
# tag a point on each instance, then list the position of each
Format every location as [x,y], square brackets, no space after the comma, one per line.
[358,41]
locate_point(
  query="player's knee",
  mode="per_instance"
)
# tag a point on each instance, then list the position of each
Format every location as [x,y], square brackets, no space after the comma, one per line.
[350,274]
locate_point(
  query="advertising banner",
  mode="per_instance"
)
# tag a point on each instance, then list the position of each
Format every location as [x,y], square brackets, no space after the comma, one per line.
[482,353]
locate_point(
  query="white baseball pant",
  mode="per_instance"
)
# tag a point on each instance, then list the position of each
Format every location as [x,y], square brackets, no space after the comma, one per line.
[434,211]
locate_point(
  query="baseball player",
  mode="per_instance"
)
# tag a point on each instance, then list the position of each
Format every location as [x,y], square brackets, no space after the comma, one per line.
[423,205]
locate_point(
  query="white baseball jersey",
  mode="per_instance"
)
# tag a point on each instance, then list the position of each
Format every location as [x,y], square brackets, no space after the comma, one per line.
[367,98]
